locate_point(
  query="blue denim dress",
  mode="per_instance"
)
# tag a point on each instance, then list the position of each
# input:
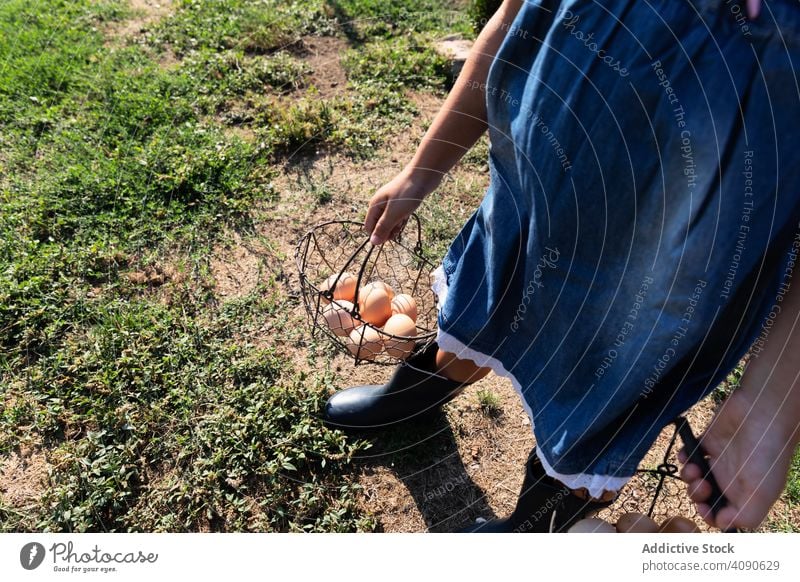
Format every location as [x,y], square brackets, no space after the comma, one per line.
[641,225]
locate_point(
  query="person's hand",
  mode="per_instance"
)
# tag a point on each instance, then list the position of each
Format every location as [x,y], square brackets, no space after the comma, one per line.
[749,453]
[390,207]
[753,8]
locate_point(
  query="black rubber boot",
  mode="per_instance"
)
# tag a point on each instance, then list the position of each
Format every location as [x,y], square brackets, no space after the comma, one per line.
[414,389]
[544,506]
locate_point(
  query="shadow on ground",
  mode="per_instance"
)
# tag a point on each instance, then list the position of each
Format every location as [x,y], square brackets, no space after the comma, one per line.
[424,456]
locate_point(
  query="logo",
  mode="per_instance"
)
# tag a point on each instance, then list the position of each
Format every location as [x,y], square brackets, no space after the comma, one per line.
[31,555]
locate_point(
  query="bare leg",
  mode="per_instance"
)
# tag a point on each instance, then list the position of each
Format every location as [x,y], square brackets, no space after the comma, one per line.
[753,436]
[458,369]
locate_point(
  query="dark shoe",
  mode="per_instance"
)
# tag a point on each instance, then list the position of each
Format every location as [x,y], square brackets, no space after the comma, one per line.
[413,390]
[544,505]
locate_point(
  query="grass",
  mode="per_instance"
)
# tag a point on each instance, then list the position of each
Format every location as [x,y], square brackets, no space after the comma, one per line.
[793,488]
[731,383]
[489,402]
[120,173]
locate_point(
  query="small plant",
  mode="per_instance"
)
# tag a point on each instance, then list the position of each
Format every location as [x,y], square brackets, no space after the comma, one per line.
[730,384]
[318,185]
[489,403]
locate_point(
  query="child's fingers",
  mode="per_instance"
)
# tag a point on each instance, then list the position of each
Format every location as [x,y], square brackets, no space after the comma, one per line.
[374,213]
[382,230]
[397,230]
[691,472]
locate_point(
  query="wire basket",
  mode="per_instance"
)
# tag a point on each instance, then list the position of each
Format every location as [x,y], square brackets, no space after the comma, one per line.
[334,253]
[659,492]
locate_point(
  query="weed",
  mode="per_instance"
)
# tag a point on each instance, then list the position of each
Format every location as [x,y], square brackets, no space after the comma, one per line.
[317,185]
[489,402]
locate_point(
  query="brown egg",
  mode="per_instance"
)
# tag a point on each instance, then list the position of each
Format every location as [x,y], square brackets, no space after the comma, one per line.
[399,325]
[405,304]
[636,523]
[345,286]
[365,342]
[374,305]
[324,286]
[678,524]
[381,285]
[592,525]
[337,316]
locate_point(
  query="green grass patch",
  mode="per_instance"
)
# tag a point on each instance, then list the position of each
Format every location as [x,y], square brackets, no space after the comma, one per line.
[398,62]
[376,19]
[167,424]
[252,26]
[793,484]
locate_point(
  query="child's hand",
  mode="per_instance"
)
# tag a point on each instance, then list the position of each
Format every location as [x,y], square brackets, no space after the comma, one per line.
[393,203]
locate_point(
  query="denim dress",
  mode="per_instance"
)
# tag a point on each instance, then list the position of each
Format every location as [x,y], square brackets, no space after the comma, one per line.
[640,229]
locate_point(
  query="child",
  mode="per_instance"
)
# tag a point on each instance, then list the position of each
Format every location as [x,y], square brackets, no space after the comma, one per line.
[638,236]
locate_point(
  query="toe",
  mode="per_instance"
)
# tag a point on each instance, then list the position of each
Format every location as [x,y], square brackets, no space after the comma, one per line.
[690,472]
[698,490]
[704,510]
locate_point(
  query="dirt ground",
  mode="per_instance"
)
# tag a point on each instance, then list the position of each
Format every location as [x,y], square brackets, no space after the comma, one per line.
[23,476]
[145,14]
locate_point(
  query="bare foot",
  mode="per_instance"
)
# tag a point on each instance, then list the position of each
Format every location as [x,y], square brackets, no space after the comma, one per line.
[749,454]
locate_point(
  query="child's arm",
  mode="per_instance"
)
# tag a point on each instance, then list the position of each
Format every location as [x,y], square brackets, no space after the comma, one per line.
[455,129]
[753,436]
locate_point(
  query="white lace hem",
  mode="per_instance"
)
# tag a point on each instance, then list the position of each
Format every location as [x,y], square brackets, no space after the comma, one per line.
[596,485]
